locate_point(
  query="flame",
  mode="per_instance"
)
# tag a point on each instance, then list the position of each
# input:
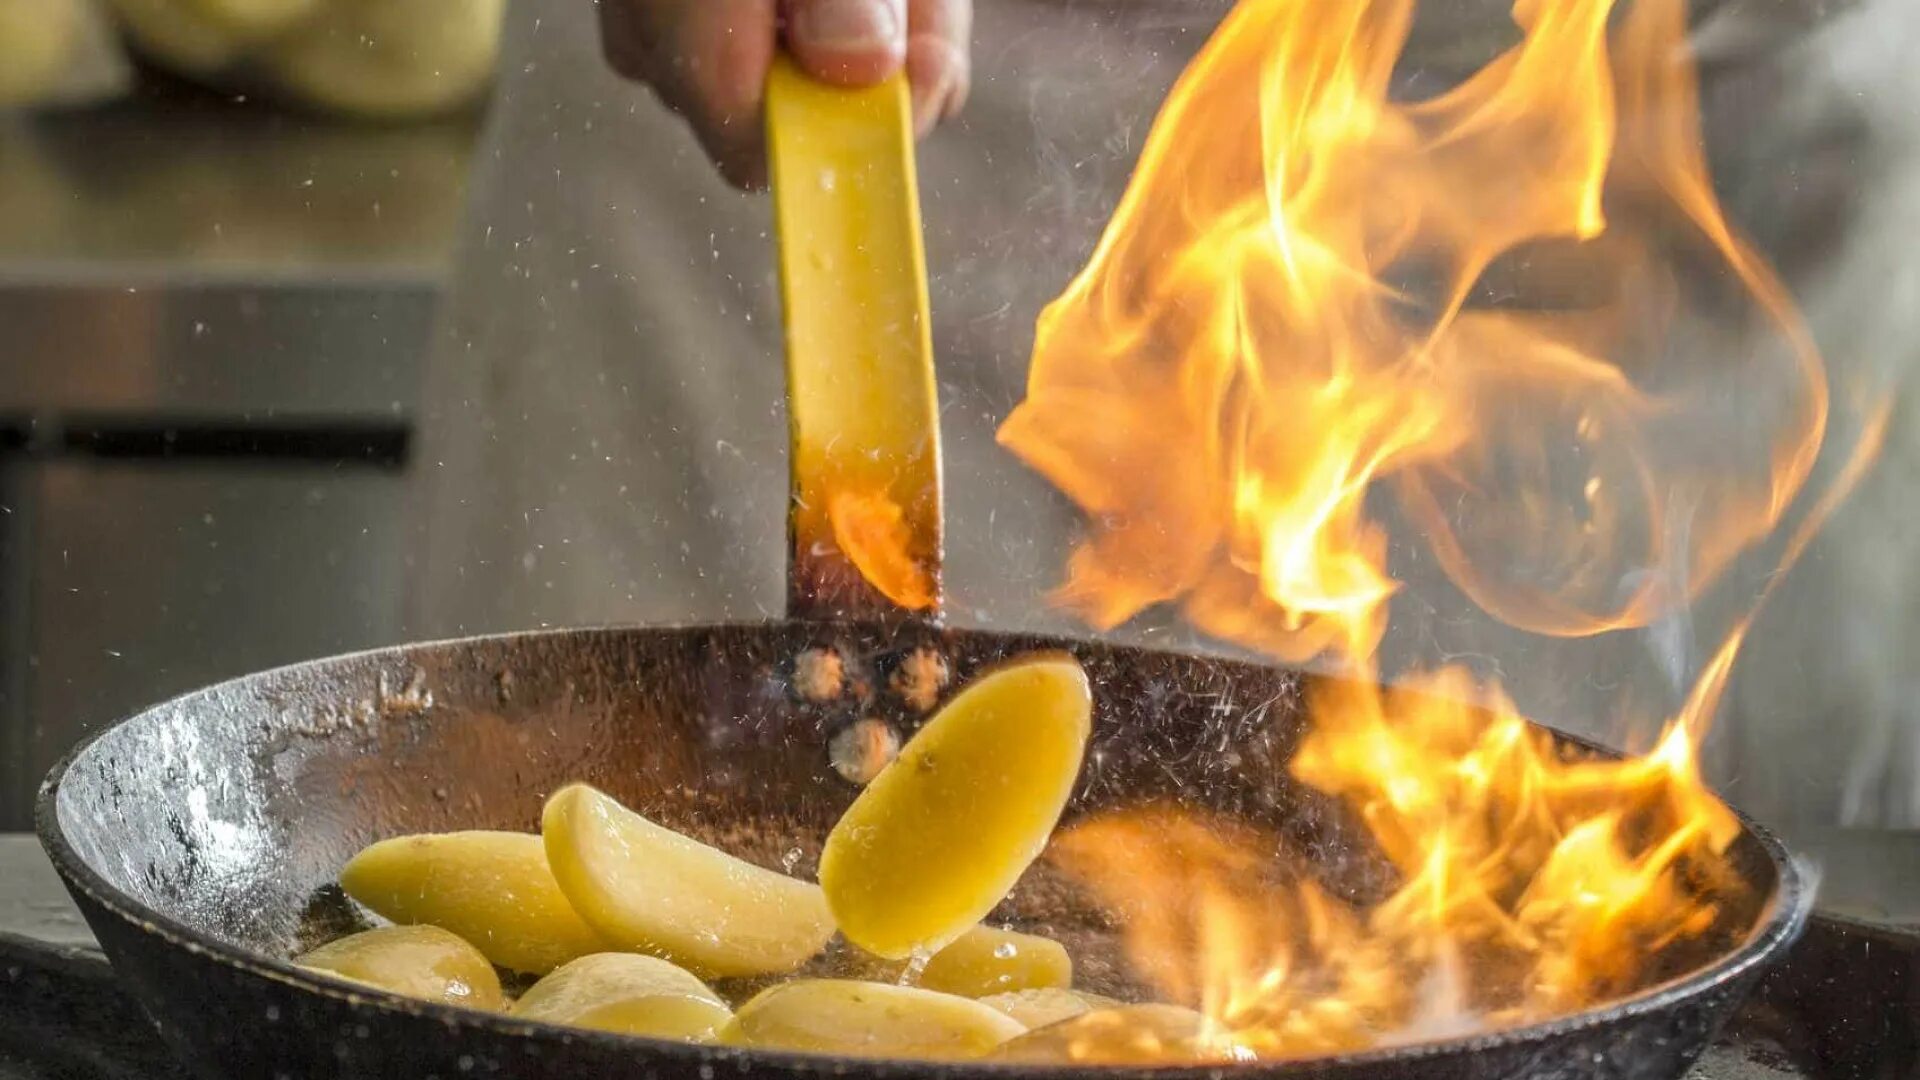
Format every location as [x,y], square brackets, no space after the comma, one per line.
[872,531]
[1489,312]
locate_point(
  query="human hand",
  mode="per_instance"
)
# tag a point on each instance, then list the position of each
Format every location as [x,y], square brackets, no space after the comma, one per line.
[708,59]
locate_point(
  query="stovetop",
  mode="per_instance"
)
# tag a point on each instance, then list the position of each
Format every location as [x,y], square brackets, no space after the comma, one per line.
[1844,1005]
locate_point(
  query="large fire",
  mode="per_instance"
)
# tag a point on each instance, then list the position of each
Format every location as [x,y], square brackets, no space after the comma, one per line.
[1316,301]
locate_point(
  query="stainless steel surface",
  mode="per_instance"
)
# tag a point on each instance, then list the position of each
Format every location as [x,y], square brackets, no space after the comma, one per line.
[33,904]
[209,313]
[1864,873]
[151,578]
[242,351]
[170,186]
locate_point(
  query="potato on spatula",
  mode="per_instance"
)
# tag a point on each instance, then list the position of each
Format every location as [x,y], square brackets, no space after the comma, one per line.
[940,836]
[650,889]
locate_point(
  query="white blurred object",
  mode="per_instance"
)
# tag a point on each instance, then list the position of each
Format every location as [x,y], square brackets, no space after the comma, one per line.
[57,52]
[387,59]
[1826,716]
[206,37]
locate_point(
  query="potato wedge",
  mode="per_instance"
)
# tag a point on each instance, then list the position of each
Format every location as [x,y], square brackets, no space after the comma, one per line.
[1046,1005]
[415,961]
[1128,1035]
[652,890]
[984,960]
[937,839]
[492,888]
[987,960]
[629,994]
[867,1019]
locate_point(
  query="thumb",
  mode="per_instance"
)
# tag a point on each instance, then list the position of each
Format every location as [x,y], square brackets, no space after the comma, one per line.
[851,42]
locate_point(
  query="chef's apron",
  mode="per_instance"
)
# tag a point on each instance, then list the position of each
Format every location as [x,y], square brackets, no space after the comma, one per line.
[603,439]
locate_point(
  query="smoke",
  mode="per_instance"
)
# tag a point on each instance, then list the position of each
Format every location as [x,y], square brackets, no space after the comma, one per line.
[1825,722]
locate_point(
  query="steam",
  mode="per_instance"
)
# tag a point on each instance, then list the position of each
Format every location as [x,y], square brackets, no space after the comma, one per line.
[1825,717]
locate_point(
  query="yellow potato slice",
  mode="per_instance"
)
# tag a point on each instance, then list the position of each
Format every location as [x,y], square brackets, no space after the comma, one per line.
[937,839]
[492,888]
[1046,1005]
[984,960]
[629,994]
[867,1019]
[414,961]
[652,890]
[987,960]
[1127,1035]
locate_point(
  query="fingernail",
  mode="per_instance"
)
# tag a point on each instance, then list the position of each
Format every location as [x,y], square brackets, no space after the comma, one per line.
[938,72]
[849,25]
[929,103]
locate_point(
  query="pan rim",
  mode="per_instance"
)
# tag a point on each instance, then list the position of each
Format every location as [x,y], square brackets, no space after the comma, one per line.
[1779,923]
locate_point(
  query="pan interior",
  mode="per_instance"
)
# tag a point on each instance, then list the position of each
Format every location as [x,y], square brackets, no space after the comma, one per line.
[230,812]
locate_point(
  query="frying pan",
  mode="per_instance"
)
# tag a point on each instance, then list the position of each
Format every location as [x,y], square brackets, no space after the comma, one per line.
[201,839]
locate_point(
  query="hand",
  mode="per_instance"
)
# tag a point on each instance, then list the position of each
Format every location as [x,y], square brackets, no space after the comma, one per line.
[708,59]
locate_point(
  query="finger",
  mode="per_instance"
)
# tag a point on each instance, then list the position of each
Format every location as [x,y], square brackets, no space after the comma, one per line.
[623,37]
[725,48]
[851,42]
[705,59]
[939,64]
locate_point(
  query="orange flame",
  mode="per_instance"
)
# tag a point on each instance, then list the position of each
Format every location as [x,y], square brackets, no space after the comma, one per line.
[871,530]
[1491,308]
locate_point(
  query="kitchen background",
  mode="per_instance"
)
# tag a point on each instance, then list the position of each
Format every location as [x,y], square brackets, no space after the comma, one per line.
[218,275]
[221,263]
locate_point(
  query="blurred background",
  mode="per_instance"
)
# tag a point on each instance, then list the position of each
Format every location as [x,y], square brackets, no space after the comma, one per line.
[224,229]
[305,347]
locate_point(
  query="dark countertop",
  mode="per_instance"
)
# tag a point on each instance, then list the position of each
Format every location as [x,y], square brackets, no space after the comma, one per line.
[61,1012]
[33,904]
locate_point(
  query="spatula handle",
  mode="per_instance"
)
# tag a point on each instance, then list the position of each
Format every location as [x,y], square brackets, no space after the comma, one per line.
[865,518]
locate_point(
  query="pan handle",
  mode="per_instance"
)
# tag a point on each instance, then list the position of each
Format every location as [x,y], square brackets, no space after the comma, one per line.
[864,522]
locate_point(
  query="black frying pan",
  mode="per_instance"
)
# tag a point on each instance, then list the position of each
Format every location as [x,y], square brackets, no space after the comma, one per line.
[201,838]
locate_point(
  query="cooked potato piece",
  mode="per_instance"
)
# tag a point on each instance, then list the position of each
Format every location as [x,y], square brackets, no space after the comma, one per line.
[987,960]
[841,1016]
[937,839]
[1047,1005]
[492,888]
[984,960]
[652,890]
[1127,1035]
[415,961]
[630,994]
